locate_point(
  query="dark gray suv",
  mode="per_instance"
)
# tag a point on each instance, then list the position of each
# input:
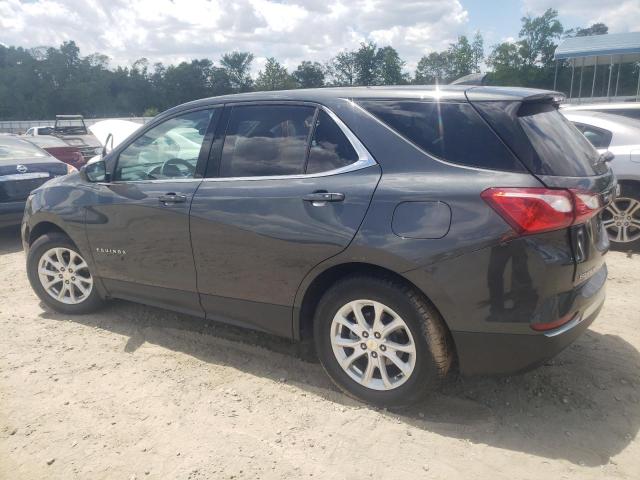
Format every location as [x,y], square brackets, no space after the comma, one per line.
[405,229]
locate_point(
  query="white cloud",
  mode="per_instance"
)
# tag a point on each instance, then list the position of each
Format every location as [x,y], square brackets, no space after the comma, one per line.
[176,30]
[618,15]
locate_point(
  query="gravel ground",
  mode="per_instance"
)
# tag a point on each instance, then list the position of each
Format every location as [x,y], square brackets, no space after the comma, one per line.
[137,392]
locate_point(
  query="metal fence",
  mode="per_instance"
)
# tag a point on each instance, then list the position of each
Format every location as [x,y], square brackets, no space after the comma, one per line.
[21,126]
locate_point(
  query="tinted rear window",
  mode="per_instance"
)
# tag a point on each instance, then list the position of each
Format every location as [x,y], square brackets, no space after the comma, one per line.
[560,148]
[450,131]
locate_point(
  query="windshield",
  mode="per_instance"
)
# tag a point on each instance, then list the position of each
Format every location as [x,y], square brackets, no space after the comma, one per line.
[19,149]
[559,146]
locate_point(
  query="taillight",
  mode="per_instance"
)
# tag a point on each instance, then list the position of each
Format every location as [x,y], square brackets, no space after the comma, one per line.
[586,205]
[536,210]
[543,327]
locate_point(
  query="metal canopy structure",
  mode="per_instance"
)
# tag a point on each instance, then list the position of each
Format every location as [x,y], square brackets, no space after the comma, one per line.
[599,50]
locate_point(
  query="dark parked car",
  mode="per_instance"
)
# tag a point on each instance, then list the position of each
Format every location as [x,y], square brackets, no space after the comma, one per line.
[405,229]
[23,167]
[59,149]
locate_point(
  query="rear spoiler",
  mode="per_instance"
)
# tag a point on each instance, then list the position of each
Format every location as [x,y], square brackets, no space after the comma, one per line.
[513,94]
[550,97]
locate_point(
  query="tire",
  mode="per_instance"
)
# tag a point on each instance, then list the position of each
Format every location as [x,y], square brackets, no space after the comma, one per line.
[424,331]
[624,211]
[73,301]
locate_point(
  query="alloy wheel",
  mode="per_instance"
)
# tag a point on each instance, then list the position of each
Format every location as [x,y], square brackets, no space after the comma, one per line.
[622,220]
[373,344]
[65,275]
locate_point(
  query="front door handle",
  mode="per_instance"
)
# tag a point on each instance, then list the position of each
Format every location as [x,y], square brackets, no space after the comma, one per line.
[319,199]
[172,198]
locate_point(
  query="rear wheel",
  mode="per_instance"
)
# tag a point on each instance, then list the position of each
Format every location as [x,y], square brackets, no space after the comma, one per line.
[622,219]
[60,276]
[381,341]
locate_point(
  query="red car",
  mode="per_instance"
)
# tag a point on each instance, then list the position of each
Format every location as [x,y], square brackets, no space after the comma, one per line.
[59,149]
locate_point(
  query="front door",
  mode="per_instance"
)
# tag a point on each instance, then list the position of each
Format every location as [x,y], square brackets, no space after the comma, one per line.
[286,191]
[138,228]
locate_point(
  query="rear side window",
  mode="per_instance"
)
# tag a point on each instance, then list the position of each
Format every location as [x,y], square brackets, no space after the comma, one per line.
[450,131]
[264,140]
[330,149]
[560,148]
[599,137]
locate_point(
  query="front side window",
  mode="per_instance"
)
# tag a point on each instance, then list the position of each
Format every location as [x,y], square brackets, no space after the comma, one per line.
[266,140]
[168,150]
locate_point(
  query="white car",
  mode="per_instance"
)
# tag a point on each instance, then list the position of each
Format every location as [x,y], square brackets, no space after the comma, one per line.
[625,109]
[38,131]
[619,135]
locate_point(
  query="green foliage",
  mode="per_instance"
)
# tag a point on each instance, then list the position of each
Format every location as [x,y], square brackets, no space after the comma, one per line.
[45,81]
[274,77]
[538,36]
[150,112]
[461,58]
[343,69]
[309,75]
[238,68]
[595,29]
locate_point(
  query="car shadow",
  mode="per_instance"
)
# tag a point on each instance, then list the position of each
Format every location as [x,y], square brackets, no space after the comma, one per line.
[582,407]
[10,241]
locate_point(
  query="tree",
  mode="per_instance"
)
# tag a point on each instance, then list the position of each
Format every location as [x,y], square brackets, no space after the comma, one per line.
[238,68]
[505,55]
[595,29]
[477,51]
[390,66]
[461,57]
[537,38]
[366,64]
[273,77]
[432,68]
[309,75]
[343,69]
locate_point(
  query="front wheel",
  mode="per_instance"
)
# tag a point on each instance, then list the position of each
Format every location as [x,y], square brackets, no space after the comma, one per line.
[60,276]
[381,341]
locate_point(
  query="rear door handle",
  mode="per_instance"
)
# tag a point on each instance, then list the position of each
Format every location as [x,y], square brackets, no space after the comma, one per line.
[320,198]
[172,198]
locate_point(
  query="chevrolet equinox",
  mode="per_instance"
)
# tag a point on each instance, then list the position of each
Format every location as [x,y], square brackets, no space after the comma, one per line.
[407,230]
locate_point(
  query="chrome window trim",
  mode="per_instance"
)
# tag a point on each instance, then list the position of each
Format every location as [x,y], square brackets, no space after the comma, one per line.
[365,159]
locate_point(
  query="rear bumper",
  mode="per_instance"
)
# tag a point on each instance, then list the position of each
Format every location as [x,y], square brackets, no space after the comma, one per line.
[11,213]
[495,301]
[502,354]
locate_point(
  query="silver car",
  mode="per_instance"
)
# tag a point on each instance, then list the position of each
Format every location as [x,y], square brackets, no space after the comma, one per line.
[621,136]
[624,109]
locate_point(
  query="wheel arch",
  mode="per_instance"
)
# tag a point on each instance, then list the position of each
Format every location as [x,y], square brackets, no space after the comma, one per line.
[304,312]
[42,228]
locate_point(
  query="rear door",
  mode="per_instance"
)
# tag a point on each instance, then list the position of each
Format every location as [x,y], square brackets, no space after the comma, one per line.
[557,153]
[288,186]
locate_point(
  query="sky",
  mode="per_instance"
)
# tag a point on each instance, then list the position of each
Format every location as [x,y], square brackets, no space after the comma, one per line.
[171,31]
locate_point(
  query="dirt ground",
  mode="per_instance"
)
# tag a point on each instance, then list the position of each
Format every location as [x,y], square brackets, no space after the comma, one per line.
[137,392]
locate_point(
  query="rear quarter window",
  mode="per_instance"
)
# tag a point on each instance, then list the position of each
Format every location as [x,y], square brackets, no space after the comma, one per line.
[454,132]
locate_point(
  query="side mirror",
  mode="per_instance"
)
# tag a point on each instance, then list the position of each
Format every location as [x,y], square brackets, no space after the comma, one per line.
[607,156]
[95,171]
